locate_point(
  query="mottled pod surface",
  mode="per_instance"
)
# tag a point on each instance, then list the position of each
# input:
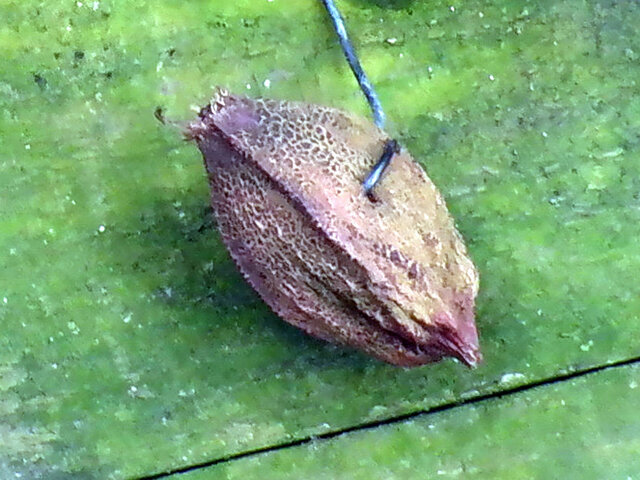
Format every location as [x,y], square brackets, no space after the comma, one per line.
[389,275]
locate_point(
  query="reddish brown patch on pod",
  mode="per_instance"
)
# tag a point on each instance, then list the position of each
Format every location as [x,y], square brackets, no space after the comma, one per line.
[390,277]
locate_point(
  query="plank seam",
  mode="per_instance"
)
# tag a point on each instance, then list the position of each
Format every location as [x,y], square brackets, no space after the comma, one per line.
[396,419]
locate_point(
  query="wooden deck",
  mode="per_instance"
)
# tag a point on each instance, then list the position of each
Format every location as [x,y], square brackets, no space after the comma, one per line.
[132,348]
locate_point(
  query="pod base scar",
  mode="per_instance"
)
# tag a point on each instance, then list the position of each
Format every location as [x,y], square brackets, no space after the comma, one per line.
[390,277]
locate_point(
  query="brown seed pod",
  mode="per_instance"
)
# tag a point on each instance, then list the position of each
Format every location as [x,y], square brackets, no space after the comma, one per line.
[389,275]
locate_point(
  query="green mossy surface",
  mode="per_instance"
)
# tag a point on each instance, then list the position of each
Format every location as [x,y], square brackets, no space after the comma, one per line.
[585,428]
[130,344]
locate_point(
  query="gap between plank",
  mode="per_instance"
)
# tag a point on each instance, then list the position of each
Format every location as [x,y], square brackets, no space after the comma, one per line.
[397,419]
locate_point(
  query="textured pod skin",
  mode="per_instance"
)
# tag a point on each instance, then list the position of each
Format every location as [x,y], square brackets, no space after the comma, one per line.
[389,276]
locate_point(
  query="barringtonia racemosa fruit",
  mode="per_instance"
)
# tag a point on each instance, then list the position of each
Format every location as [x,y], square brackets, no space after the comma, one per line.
[388,274]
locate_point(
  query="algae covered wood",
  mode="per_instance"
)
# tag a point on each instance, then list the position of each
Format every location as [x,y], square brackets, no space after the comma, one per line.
[389,275]
[137,348]
[586,428]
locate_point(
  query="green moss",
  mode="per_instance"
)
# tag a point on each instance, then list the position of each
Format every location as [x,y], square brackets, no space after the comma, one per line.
[585,428]
[129,342]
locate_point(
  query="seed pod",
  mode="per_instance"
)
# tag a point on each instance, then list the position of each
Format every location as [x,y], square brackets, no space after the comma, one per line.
[388,273]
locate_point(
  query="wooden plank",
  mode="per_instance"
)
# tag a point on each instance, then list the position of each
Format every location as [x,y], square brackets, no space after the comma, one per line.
[130,345]
[586,428]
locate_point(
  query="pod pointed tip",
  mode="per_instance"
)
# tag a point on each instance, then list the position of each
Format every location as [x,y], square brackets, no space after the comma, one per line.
[456,334]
